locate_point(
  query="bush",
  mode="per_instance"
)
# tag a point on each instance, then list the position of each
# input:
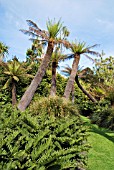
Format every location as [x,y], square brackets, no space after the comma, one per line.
[55,106]
[41,141]
[104,119]
[103,115]
[86,107]
[110,96]
[5,97]
[84,104]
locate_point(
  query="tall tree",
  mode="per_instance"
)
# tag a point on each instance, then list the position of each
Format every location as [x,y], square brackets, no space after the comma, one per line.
[67,71]
[51,37]
[3,50]
[56,58]
[14,72]
[77,50]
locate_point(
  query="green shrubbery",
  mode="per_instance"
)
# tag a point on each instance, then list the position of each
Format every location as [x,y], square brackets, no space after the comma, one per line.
[104,118]
[55,106]
[86,107]
[103,113]
[34,141]
[100,113]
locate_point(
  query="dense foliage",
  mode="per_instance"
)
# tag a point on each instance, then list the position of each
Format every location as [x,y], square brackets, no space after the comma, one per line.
[53,106]
[103,113]
[30,140]
[104,118]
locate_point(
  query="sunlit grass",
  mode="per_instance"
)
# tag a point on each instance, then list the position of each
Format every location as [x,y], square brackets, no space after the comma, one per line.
[101,154]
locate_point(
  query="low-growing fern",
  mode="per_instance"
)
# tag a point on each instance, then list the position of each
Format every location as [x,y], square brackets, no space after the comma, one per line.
[42,142]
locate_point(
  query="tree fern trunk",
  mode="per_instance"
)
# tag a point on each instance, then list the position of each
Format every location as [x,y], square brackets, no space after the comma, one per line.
[14,100]
[53,83]
[73,90]
[71,80]
[84,91]
[29,93]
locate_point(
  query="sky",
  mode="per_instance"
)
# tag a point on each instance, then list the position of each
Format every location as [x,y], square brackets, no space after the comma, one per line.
[91,21]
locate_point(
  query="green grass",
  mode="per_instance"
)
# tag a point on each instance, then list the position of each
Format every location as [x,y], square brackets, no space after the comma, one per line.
[101,154]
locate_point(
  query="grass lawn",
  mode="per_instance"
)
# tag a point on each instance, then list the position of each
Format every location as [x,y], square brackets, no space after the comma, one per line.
[101,155]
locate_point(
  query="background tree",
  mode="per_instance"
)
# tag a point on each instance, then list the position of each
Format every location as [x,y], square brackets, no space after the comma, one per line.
[104,69]
[101,81]
[84,91]
[36,52]
[56,58]
[14,72]
[51,37]
[3,50]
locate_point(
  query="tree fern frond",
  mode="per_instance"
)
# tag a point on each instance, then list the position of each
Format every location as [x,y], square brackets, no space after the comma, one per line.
[90,58]
[38,33]
[6,85]
[93,53]
[33,24]
[54,28]
[16,78]
[67,70]
[30,33]
[93,46]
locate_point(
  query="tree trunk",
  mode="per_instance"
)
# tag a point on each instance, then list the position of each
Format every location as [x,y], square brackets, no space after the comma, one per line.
[73,90]
[29,93]
[84,91]
[71,80]
[14,100]
[53,83]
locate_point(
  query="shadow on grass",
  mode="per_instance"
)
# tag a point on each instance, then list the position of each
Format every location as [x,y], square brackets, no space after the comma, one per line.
[103,132]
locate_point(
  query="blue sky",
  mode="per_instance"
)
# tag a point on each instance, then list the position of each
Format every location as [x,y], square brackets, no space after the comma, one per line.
[91,21]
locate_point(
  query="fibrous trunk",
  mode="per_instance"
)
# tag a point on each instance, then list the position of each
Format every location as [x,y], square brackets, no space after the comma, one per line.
[73,90]
[71,80]
[84,91]
[14,100]
[29,93]
[53,83]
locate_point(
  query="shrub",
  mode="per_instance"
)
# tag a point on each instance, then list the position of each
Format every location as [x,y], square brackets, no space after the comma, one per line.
[103,115]
[104,118]
[110,96]
[31,141]
[86,107]
[53,106]
[5,97]
[84,104]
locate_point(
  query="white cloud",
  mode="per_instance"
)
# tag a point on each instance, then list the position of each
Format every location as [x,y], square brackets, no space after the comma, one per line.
[106,24]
